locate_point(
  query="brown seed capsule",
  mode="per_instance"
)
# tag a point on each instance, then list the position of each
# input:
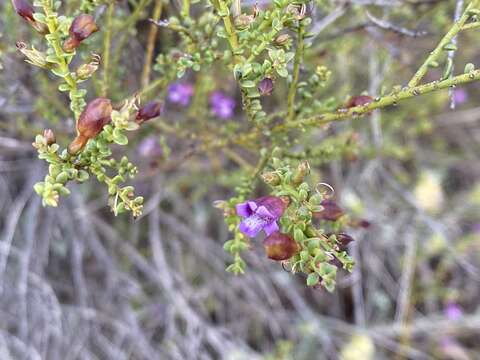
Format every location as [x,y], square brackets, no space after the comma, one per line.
[82,27]
[49,136]
[271,178]
[243,21]
[280,246]
[85,71]
[91,121]
[152,110]
[282,39]
[331,211]
[26,11]
[265,87]
[33,56]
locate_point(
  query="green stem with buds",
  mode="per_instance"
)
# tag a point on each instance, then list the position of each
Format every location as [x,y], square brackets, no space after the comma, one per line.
[62,65]
[296,71]
[229,28]
[382,102]
[106,49]
[434,55]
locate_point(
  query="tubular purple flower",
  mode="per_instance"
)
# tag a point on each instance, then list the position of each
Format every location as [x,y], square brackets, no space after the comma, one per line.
[260,214]
[453,311]
[460,96]
[180,93]
[149,147]
[222,106]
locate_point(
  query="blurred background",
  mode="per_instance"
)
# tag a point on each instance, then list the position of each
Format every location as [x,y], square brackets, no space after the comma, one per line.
[78,283]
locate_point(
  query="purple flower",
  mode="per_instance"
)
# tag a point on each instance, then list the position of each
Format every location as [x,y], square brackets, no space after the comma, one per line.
[149,147]
[460,96]
[453,311]
[180,93]
[222,105]
[476,228]
[260,214]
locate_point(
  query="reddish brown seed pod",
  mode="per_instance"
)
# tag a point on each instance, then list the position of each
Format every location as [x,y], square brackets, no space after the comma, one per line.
[91,121]
[26,11]
[82,27]
[343,239]
[359,100]
[280,246]
[150,111]
[331,211]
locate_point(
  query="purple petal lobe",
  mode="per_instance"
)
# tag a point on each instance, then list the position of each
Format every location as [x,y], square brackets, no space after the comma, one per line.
[252,225]
[243,209]
[270,228]
[252,205]
[264,213]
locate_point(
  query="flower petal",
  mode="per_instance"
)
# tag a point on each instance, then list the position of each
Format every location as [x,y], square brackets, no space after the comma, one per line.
[252,204]
[243,209]
[252,225]
[264,213]
[271,228]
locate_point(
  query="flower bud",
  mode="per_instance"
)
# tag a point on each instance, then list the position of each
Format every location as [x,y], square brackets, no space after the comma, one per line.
[149,111]
[243,21]
[91,121]
[49,136]
[297,11]
[280,246]
[343,239]
[150,147]
[82,27]
[265,87]
[336,262]
[26,11]
[271,178]
[360,223]
[282,39]
[358,101]
[303,169]
[331,211]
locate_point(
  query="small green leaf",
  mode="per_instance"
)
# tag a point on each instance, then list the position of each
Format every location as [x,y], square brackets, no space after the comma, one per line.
[312,279]
[248,84]
[469,68]
[119,138]
[282,72]
[450,47]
